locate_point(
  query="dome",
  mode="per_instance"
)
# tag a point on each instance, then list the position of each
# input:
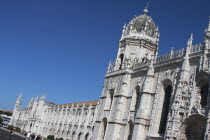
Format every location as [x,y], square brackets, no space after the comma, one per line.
[144,22]
[141,25]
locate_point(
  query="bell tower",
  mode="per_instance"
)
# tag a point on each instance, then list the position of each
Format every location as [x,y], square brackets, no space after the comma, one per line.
[138,46]
[138,43]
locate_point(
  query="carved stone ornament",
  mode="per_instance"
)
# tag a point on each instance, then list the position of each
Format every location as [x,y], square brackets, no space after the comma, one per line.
[111,84]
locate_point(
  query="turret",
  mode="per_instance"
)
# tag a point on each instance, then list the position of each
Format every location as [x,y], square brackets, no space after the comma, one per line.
[149,81]
[18,101]
[204,59]
[185,70]
[31,102]
[138,43]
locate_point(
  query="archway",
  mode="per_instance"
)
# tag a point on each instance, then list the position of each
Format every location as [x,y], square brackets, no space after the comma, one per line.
[68,135]
[195,127]
[167,84]
[30,126]
[138,97]
[73,135]
[130,130]
[87,136]
[79,136]
[103,128]
[121,60]
[203,84]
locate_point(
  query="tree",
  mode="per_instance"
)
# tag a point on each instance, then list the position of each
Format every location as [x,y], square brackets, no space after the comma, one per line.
[1,120]
[60,139]
[10,127]
[8,113]
[51,137]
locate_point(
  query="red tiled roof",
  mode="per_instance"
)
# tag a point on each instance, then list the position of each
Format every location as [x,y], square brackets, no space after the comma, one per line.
[93,103]
[7,111]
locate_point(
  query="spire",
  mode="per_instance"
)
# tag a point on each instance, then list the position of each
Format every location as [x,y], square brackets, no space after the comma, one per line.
[30,103]
[123,32]
[150,71]
[20,96]
[209,25]
[146,9]
[190,40]
[186,64]
[148,83]
[36,99]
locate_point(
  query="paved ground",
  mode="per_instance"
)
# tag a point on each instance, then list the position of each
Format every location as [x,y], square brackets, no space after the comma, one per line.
[4,135]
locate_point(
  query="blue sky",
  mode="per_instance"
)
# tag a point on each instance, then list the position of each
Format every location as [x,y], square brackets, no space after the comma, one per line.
[61,48]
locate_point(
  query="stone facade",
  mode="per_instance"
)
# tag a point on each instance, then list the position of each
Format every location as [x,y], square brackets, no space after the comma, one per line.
[68,121]
[145,96]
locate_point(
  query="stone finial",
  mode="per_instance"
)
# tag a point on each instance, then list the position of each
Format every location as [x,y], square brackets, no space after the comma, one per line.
[30,102]
[190,40]
[20,96]
[146,9]
[124,28]
[172,49]
[36,99]
[209,25]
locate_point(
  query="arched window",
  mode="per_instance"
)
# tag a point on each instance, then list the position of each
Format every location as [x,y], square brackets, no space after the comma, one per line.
[63,133]
[79,136]
[111,93]
[204,95]
[138,97]
[195,127]
[103,128]
[165,110]
[87,136]
[73,135]
[130,130]
[68,135]
[121,60]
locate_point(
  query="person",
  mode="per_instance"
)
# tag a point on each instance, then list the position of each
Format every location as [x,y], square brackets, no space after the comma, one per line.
[28,135]
[32,136]
[38,137]
[10,133]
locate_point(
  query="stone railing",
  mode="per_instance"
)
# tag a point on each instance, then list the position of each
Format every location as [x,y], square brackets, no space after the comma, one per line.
[196,48]
[173,54]
[114,66]
[142,64]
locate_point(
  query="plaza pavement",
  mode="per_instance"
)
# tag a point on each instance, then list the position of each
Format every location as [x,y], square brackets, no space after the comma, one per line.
[4,135]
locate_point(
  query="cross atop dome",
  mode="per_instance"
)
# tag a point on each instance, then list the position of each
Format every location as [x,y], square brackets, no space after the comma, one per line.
[146,9]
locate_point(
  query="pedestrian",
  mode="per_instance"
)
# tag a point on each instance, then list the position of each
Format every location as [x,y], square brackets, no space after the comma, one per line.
[10,133]
[38,137]
[28,135]
[32,136]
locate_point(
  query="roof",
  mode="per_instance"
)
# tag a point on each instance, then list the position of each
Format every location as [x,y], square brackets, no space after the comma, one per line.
[7,111]
[93,103]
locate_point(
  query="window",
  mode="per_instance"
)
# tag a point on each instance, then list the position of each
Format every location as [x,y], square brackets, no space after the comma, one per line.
[138,97]
[204,95]
[121,60]
[103,128]
[165,110]
[130,130]
[111,92]
[87,136]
